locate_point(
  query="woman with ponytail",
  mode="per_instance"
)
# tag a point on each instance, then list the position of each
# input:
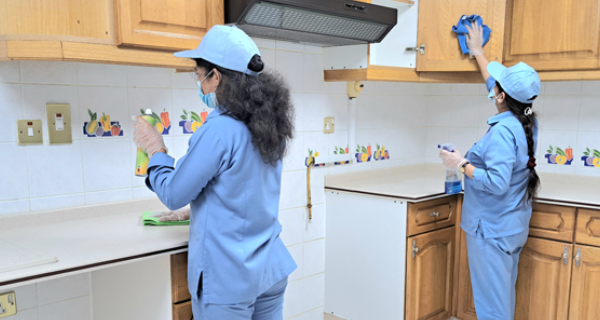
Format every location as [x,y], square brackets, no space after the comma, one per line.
[500,183]
[231,178]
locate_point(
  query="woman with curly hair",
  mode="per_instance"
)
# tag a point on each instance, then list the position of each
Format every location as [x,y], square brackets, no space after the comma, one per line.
[231,177]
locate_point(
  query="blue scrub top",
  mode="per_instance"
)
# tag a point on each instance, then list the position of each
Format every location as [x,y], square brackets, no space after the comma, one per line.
[234,198]
[496,198]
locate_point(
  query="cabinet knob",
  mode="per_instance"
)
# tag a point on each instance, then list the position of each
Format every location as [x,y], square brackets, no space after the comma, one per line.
[565,256]
[435,214]
[578,257]
[415,249]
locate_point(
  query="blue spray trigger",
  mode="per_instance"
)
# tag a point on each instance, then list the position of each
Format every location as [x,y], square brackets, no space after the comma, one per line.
[447,146]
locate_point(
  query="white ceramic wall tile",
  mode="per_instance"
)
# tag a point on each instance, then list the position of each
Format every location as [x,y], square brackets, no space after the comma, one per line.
[293,190]
[439,89]
[15,206]
[316,142]
[561,139]
[9,71]
[466,110]
[313,291]
[185,80]
[293,301]
[314,258]
[590,88]
[484,113]
[313,49]
[585,139]
[466,89]
[463,138]
[338,139]
[108,196]
[11,110]
[48,72]
[337,106]
[384,88]
[420,89]
[180,146]
[296,252]
[436,136]
[440,111]
[292,222]
[189,100]
[157,99]
[561,113]
[295,153]
[289,46]
[35,98]
[405,89]
[63,288]
[315,110]
[291,67]
[269,58]
[13,170]
[75,309]
[55,170]
[313,74]
[101,74]
[143,192]
[298,103]
[315,228]
[57,202]
[317,180]
[338,88]
[563,88]
[366,118]
[264,43]
[106,164]
[31,314]
[589,114]
[26,297]
[109,100]
[149,77]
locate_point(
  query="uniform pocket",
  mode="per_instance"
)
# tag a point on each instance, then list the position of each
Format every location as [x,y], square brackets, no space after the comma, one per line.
[511,244]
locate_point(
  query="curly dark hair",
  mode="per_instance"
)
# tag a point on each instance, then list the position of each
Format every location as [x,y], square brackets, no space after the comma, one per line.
[262,102]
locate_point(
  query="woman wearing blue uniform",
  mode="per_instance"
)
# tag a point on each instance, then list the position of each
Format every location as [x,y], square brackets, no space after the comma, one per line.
[500,183]
[231,178]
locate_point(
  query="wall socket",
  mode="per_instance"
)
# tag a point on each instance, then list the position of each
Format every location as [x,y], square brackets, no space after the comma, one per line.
[29,132]
[59,123]
[329,125]
[8,304]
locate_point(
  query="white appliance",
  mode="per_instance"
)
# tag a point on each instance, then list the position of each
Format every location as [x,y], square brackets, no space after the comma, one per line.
[365,256]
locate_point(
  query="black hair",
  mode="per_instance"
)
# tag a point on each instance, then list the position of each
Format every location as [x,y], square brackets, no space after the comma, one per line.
[528,121]
[262,102]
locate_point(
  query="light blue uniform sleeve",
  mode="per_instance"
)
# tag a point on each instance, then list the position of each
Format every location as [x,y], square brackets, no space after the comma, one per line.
[177,186]
[490,83]
[500,158]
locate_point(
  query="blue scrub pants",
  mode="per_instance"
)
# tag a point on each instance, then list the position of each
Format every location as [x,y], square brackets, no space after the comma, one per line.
[267,306]
[494,263]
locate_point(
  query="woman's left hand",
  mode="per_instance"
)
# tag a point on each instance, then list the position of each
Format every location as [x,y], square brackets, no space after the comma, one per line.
[451,160]
[147,137]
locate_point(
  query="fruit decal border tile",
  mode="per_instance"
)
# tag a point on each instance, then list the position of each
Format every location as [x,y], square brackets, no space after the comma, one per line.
[363,154]
[381,153]
[559,156]
[102,127]
[339,151]
[162,122]
[591,158]
[191,121]
[311,154]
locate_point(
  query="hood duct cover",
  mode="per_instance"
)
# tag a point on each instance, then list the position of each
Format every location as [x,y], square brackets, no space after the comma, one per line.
[323,22]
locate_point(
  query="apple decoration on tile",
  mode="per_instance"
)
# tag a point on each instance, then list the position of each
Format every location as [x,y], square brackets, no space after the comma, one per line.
[190,122]
[591,158]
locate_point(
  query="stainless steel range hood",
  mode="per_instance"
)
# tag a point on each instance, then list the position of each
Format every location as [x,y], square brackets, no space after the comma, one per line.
[322,22]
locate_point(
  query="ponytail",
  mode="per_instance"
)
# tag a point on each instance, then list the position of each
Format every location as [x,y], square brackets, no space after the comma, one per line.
[527,119]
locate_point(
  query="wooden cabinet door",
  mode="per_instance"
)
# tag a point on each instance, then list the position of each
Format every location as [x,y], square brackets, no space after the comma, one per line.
[182,311]
[585,285]
[588,227]
[544,280]
[553,35]
[552,222]
[466,304]
[442,51]
[431,215]
[166,24]
[179,283]
[429,274]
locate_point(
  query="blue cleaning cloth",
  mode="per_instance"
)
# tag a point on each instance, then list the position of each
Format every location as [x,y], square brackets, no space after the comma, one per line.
[461,30]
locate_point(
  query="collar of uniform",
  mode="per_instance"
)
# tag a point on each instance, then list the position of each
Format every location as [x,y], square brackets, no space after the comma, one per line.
[499,117]
[215,113]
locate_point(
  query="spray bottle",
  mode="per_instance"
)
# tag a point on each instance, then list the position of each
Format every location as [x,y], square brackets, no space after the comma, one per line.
[142,160]
[453,183]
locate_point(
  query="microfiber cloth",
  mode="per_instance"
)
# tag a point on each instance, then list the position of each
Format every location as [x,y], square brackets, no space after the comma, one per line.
[461,30]
[152,221]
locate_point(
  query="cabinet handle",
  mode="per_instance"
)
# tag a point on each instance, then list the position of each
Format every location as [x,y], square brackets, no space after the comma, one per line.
[415,249]
[565,255]
[435,214]
[578,257]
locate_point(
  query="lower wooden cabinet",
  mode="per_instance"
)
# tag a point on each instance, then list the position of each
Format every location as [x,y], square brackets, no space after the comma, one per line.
[430,270]
[466,304]
[182,311]
[585,284]
[180,294]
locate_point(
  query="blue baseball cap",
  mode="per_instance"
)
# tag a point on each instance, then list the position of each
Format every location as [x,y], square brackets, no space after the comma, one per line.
[227,47]
[520,81]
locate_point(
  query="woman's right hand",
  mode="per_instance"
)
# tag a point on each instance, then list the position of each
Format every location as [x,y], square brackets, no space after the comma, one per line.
[475,40]
[177,215]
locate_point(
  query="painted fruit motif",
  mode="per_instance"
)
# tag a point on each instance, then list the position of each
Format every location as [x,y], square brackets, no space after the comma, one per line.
[196,126]
[115,130]
[91,128]
[105,121]
[164,116]
[100,131]
[561,159]
[590,161]
[160,128]
[188,126]
[553,158]
[364,157]
[596,162]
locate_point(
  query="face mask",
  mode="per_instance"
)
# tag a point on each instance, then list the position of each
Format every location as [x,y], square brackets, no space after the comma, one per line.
[209,99]
[492,96]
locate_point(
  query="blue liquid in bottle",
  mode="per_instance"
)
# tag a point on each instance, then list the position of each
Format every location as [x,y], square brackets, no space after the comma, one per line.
[453,184]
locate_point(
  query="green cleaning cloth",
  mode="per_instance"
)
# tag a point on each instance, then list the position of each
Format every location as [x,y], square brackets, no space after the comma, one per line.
[152,221]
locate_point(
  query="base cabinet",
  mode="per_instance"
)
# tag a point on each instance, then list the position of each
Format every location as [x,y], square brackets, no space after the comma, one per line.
[430,270]
[585,288]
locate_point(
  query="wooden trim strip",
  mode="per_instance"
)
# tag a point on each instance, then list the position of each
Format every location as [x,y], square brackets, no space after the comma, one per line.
[34,50]
[89,266]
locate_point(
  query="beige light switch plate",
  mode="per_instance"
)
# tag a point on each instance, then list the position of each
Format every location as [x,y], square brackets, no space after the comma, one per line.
[329,125]
[8,304]
[56,112]
[29,132]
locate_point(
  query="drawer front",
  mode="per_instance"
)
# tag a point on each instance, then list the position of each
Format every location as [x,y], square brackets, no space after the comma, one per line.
[179,282]
[182,311]
[431,215]
[552,222]
[588,227]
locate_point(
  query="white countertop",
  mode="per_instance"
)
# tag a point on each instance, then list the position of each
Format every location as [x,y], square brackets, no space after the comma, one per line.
[88,238]
[425,181]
